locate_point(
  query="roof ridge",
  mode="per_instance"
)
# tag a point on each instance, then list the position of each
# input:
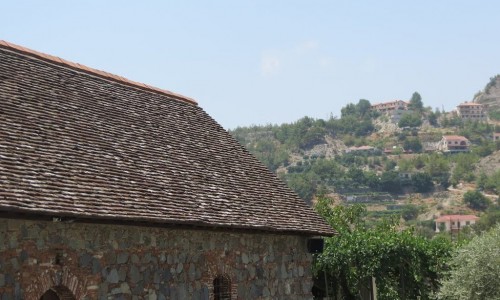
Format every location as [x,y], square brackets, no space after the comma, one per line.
[92,71]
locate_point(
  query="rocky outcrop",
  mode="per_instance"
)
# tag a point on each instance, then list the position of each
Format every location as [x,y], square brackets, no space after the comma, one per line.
[490,95]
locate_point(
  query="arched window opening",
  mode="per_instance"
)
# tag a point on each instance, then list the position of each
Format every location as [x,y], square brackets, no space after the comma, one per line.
[58,293]
[222,288]
[50,295]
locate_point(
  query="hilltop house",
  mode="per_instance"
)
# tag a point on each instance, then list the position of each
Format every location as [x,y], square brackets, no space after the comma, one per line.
[390,106]
[454,222]
[453,144]
[113,189]
[496,136]
[394,109]
[472,111]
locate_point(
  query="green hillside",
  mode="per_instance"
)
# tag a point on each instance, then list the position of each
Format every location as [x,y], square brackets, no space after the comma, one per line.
[394,167]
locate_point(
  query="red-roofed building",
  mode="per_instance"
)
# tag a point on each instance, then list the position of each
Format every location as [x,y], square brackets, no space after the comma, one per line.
[472,111]
[454,222]
[395,109]
[390,106]
[454,143]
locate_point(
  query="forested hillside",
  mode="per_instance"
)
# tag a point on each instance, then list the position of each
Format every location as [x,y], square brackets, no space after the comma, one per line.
[393,166]
[380,174]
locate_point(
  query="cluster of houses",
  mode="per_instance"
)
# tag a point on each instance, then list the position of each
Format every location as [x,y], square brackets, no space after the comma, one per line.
[466,111]
[448,143]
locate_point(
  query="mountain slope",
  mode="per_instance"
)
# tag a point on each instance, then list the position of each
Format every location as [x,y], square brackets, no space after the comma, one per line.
[490,95]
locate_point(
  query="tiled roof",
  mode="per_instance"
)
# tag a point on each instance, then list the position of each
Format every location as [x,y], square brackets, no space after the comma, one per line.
[82,144]
[393,102]
[457,218]
[455,138]
[95,72]
[469,104]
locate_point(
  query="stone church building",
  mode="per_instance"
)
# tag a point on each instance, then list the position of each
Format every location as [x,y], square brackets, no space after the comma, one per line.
[113,189]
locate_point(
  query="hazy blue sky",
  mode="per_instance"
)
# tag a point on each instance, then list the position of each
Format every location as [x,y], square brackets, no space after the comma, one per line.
[259,62]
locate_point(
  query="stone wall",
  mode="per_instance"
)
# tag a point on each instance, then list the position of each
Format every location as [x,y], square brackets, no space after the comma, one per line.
[103,261]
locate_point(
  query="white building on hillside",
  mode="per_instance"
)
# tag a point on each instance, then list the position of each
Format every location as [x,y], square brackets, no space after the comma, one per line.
[454,222]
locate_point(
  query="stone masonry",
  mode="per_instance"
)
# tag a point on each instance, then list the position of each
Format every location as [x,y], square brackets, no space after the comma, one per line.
[108,261]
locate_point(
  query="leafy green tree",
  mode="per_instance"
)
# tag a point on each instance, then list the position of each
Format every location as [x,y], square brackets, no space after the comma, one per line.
[303,185]
[313,136]
[390,165]
[495,114]
[410,212]
[416,102]
[356,175]
[476,200]
[493,183]
[481,180]
[405,165]
[433,117]
[360,110]
[372,180]
[410,120]
[422,182]
[484,149]
[390,182]
[364,127]
[475,273]
[405,266]
[489,219]
[348,110]
[363,107]
[439,168]
[464,167]
[271,154]
[412,144]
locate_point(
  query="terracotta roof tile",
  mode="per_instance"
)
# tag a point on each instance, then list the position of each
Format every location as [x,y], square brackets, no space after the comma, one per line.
[455,138]
[85,145]
[456,218]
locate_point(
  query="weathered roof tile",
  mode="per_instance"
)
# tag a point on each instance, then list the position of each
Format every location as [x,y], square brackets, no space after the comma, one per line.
[81,143]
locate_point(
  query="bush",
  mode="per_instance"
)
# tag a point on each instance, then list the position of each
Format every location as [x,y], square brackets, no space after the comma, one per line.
[410,120]
[410,212]
[422,182]
[476,200]
[413,144]
[475,270]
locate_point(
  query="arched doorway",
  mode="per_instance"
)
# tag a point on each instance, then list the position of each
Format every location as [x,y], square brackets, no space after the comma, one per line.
[58,293]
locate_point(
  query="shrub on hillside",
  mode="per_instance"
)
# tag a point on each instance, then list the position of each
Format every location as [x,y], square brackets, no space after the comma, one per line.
[476,200]
[422,182]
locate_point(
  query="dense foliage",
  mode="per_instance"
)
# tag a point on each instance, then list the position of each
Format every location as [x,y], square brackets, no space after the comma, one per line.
[410,120]
[416,103]
[476,200]
[285,146]
[404,265]
[475,273]
[489,219]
